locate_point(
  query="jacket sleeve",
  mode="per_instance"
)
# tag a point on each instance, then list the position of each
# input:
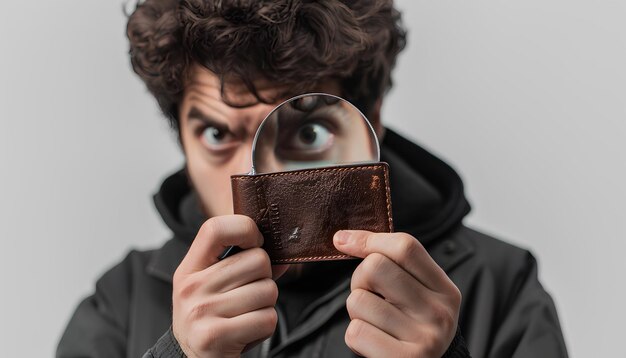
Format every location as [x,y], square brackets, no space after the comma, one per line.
[530,326]
[458,347]
[166,347]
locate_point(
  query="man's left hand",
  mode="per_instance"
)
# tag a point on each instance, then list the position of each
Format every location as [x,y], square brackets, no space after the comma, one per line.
[402,303]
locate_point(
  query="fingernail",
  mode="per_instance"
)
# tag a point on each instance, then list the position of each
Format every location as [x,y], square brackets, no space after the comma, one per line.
[343,237]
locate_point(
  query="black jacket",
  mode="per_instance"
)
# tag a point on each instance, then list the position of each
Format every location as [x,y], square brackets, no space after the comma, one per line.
[505,310]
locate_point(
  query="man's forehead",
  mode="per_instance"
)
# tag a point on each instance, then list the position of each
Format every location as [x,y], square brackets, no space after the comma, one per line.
[235,91]
[237,94]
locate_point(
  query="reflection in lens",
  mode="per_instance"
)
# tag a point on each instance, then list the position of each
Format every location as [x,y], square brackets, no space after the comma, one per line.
[313,130]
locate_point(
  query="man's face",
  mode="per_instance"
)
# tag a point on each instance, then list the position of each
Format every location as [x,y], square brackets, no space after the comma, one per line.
[217,138]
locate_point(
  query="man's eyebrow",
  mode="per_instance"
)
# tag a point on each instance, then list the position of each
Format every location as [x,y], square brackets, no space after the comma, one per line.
[195,113]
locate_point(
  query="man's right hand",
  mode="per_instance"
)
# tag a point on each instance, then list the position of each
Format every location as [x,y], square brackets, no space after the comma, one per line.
[222,307]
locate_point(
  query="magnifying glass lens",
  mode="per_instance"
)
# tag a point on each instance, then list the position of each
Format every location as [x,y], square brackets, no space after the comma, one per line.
[313,130]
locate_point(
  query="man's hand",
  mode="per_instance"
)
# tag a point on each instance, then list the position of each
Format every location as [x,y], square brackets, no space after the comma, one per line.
[222,307]
[402,303]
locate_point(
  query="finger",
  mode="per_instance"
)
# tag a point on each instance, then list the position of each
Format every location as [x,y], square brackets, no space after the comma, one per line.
[215,235]
[368,307]
[251,297]
[251,326]
[366,340]
[378,274]
[234,271]
[403,249]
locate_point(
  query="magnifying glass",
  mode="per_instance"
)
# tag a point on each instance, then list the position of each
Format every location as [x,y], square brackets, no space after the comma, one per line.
[312,131]
[315,170]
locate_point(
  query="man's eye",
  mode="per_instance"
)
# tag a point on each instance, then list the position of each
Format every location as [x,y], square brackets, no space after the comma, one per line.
[312,136]
[216,138]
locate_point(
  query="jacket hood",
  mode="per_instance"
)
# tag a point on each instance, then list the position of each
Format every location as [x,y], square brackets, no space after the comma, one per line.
[426,193]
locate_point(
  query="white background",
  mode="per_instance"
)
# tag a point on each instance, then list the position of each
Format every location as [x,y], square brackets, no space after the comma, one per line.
[525,98]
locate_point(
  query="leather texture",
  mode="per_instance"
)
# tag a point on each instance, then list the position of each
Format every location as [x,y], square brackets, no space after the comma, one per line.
[298,212]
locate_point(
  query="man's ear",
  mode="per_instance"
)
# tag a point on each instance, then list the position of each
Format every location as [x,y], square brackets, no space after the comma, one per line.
[374,118]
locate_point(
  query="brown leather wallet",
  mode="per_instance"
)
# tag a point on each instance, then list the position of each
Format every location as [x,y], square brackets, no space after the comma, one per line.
[299,211]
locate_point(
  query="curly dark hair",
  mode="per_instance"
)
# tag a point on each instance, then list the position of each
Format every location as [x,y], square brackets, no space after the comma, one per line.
[294,43]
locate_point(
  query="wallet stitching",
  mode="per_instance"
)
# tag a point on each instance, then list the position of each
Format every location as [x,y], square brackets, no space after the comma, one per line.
[387,197]
[295,259]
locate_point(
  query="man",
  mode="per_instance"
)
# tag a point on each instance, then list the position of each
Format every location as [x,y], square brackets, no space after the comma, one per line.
[216,69]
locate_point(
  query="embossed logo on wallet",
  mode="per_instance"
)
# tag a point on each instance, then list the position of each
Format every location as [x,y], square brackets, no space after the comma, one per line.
[275,226]
[269,224]
[268,218]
